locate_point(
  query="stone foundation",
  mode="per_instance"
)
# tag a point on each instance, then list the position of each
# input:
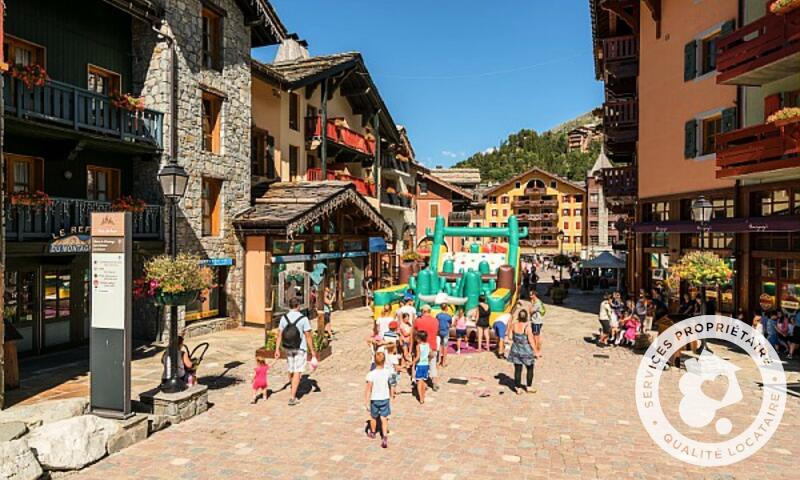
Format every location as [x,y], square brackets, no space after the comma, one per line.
[173,408]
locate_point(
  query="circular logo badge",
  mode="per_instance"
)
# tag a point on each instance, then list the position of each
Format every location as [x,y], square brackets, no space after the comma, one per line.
[697,410]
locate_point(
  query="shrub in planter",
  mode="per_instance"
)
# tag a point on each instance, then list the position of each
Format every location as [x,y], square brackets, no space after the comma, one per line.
[782,7]
[785,116]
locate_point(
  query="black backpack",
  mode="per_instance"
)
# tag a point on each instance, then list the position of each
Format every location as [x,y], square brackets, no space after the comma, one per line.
[291,337]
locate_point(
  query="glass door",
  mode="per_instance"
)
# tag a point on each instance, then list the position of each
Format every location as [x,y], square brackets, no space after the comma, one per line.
[56,307]
[21,308]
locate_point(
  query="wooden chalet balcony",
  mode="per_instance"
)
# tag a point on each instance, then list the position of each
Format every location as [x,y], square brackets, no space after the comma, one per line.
[758,151]
[340,135]
[621,120]
[535,191]
[362,187]
[392,163]
[529,203]
[621,56]
[537,243]
[761,52]
[537,217]
[459,218]
[68,106]
[540,230]
[619,182]
[25,222]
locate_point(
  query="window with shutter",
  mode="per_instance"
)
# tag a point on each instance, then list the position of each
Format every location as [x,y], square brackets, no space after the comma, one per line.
[729,120]
[690,61]
[690,147]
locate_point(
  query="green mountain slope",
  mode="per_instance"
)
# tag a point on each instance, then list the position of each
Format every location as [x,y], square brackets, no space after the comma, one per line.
[526,149]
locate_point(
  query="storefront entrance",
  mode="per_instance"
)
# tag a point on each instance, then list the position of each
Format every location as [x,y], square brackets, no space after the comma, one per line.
[48,305]
[777,284]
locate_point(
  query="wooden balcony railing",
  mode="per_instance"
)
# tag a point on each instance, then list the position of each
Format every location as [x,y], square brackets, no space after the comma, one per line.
[619,181]
[392,163]
[761,52]
[621,114]
[537,243]
[340,135]
[620,48]
[459,218]
[537,217]
[535,191]
[528,203]
[83,110]
[540,230]
[24,222]
[758,150]
[362,187]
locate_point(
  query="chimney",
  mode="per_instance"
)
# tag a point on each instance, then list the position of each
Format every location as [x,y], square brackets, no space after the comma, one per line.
[292,48]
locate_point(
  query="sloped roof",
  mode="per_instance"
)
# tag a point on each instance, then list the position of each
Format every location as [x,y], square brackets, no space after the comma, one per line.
[288,207]
[539,171]
[602,162]
[351,74]
[266,27]
[453,188]
[604,260]
[458,176]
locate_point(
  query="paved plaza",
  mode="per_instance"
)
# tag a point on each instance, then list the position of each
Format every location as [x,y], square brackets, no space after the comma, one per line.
[582,422]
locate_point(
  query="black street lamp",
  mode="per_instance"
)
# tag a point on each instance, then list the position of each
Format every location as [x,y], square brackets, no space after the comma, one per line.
[560,237]
[702,210]
[173,179]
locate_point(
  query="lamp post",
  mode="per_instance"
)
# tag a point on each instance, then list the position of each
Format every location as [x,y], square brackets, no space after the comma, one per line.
[173,179]
[702,211]
[560,237]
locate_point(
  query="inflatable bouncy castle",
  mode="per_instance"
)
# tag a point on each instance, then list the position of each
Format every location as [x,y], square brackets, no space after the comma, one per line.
[460,278]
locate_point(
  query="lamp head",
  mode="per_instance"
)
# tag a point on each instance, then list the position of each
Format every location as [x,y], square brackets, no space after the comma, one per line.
[173,179]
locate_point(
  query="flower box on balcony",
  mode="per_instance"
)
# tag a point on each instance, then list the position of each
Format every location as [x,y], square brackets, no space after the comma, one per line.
[782,7]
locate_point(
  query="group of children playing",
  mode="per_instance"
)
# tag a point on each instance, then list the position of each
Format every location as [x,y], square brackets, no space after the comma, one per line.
[619,322]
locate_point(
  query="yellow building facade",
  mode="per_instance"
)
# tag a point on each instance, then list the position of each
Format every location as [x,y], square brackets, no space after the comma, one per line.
[550,206]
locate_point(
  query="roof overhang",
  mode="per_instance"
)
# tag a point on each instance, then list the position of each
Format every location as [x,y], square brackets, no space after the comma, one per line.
[266,27]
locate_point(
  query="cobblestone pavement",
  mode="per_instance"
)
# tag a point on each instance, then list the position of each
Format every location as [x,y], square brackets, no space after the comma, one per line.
[582,423]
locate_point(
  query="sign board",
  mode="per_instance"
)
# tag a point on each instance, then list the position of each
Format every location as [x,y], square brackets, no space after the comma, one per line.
[377,244]
[217,262]
[110,339]
[71,244]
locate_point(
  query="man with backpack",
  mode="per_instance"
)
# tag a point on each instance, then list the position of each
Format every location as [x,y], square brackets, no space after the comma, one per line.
[294,337]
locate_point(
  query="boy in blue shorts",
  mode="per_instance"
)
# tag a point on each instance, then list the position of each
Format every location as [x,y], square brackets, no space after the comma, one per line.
[377,397]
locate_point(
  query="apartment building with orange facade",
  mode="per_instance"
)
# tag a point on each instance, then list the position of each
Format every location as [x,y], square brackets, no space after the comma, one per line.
[711,73]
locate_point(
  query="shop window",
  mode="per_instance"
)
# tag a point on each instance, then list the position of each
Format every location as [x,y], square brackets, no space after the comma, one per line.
[20,304]
[294,160]
[23,174]
[102,184]
[656,212]
[775,202]
[294,111]
[790,269]
[262,154]
[212,121]
[656,240]
[210,303]
[102,81]
[19,52]
[352,278]
[779,242]
[796,202]
[708,240]
[711,127]
[212,206]
[212,39]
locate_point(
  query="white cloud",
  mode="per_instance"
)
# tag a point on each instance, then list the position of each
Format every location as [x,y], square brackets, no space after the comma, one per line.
[448,153]
[489,150]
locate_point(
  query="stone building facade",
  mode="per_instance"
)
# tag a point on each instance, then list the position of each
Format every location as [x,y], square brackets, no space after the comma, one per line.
[227,165]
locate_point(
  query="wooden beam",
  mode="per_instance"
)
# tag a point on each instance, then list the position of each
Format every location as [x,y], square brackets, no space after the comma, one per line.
[356,93]
[337,82]
[310,89]
[655,11]
[619,8]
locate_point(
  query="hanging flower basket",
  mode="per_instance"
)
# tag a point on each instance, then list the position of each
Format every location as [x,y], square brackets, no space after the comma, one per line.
[782,7]
[128,204]
[33,75]
[785,116]
[176,281]
[701,269]
[127,102]
[30,199]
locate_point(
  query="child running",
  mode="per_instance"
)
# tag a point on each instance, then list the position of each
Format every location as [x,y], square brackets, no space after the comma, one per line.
[260,379]
[422,364]
[377,398]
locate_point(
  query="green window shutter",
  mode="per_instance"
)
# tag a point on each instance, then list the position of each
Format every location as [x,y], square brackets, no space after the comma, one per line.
[729,120]
[690,61]
[727,28]
[690,147]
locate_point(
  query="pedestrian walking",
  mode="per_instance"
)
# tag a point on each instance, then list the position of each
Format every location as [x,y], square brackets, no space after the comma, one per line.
[523,353]
[460,322]
[260,379]
[605,320]
[426,323]
[483,312]
[422,361]
[377,397]
[294,337]
[537,313]
[327,308]
[445,321]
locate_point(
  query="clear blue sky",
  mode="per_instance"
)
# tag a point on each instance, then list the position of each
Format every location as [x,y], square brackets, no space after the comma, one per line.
[460,74]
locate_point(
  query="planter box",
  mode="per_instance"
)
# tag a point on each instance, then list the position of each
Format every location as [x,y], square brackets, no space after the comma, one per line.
[786,10]
[321,355]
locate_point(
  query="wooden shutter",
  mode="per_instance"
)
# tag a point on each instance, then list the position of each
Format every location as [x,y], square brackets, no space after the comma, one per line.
[772,104]
[690,147]
[727,28]
[690,61]
[730,120]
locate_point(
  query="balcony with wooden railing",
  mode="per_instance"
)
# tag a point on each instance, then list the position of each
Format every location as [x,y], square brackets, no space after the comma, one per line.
[543,230]
[340,135]
[362,186]
[621,120]
[759,151]
[538,243]
[523,202]
[534,192]
[537,217]
[62,105]
[619,182]
[761,52]
[67,215]
[621,56]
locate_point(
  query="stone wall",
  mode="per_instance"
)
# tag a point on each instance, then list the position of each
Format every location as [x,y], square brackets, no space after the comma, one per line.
[232,165]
